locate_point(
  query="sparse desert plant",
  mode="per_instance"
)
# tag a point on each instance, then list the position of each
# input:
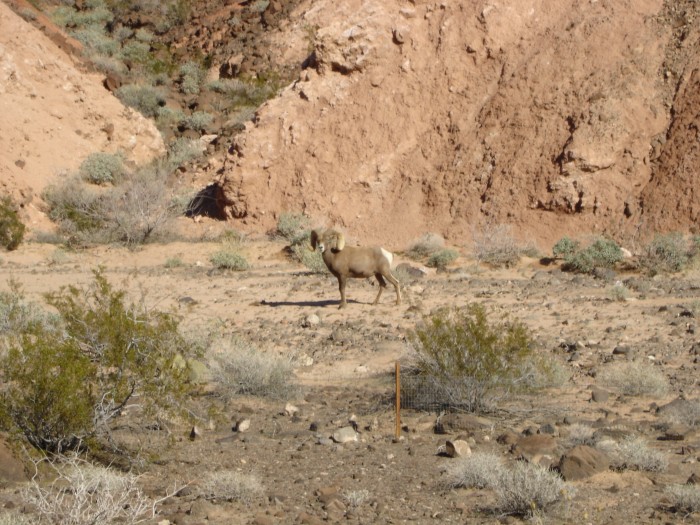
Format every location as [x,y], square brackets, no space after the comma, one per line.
[240,368]
[63,384]
[183,150]
[634,378]
[11,227]
[685,411]
[167,117]
[96,40]
[174,262]
[442,258]
[565,247]
[191,76]
[102,168]
[601,253]
[230,256]
[198,121]
[667,253]
[480,470]
[579,434]
[12,517]
[311,259]
[684,498]
[143,98]
[86,494]
[619,292]
[426,245]
[633,453]
[527,488]
[17,315]
[465,360]
[77,210]
[231,485]
[356,498]
[294,227]
[495,245]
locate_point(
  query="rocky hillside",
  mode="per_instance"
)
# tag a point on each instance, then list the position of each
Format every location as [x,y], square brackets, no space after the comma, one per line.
[555,117]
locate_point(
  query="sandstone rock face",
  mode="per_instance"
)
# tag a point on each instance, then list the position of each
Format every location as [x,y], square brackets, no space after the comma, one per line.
[54,114]
[549,116]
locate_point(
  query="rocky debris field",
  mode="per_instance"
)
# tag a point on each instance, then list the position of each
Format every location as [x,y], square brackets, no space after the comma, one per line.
[328,451]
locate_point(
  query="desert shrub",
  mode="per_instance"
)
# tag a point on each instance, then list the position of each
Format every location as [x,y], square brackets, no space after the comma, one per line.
[579,434]
[102,168]
[601,253]
[294,227]
[480,470]
[311,259]
[198,121]
[143,98]
[64,385]
[11,517]
[144,35]
[667,253]
[174,262]
[191,76]
[11,228]
[96,40]
[495,245]
[76,209]
[230,256]
[442,258]
[183,150]
[355,498]
[619,292]
[684,498]
[425,245]
[527,488]
[167,118]
[230,485]
[633,453]
[634,378]
[136,52]
[86,494]
[18,315]
[239,368]
[141,209]
[565,247]
[464,361]
[686,412]
[67,16]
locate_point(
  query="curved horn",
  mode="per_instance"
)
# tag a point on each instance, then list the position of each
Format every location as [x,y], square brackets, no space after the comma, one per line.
[339,241]
[314,240]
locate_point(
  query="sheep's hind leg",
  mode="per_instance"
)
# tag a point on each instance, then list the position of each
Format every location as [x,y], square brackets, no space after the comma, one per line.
[393,280]
[382,285]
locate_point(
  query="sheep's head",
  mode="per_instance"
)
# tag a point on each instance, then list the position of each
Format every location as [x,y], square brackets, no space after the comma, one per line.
[329,239]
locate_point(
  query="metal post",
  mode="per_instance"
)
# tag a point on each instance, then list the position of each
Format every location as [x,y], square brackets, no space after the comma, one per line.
[398,400]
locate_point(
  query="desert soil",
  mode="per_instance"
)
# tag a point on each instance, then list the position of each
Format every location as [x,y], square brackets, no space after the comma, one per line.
[345,365]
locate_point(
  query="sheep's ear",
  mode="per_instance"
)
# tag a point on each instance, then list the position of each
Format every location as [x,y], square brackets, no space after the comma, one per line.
[339,241]
[314,239]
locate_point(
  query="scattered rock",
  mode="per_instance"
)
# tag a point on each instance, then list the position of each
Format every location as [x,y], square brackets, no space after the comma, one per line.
[345,435]
[582,462]
[242,425]
[457,448]
[290,410]
[598,395]
[538,448]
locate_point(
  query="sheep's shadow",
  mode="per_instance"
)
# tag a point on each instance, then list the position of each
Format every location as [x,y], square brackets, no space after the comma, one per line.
[305,304]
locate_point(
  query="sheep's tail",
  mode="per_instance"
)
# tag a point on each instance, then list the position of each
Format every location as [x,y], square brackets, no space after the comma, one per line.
[388,255]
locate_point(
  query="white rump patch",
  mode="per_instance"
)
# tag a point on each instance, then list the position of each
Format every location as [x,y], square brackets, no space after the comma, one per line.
[388,255]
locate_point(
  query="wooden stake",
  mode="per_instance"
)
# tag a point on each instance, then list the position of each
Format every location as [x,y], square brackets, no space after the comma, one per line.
[398,400]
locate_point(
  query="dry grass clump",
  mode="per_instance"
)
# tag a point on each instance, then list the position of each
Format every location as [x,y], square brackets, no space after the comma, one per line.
[633,453]
[239,368]
[426,245]
[495,245]
[481,470]
[684,498]
[355,498]
[528,489]
[635,378]
[83,494]
[687,412]
[580,435]
[231,485]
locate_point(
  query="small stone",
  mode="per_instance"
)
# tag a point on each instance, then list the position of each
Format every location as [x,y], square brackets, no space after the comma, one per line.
[344,435]
[194,433]
[242,425]
[311,320]
[598,395]
[290,410]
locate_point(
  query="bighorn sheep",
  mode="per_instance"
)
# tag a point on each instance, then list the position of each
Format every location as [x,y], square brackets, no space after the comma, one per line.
[347,261]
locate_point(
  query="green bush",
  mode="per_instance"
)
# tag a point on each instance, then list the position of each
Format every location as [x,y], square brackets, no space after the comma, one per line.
[191,76]
[11,228]
[198,121]
[137,52]
[426,245]
[294,227]
[230,259]
[667,253]
[96,40]
[62,387]
[183,150]
[463,361]
[102,168]
[442,258]
[565,247]
[143,98]
[602,253]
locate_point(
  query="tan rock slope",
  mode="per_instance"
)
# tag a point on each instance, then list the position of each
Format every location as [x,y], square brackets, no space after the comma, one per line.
[556,117]
[54,114]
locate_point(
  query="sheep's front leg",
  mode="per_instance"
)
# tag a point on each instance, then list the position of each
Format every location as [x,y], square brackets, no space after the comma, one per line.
[342,281]
[393,280]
